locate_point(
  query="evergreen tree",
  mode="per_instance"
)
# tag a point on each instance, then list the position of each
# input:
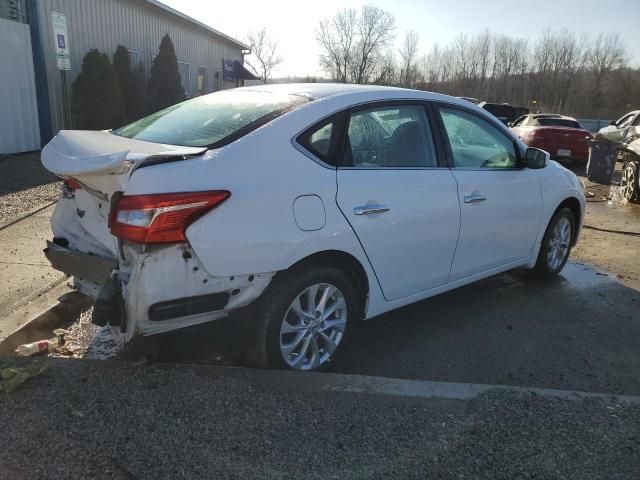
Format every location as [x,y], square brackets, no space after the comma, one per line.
[122,66]
[96,96]
[165,88]
[138,102]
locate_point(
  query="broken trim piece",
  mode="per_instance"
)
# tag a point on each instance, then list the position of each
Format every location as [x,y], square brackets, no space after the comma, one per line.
[184,307]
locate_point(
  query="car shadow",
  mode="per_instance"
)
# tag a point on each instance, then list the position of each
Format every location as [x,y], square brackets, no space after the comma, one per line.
[23,171]
[578,331]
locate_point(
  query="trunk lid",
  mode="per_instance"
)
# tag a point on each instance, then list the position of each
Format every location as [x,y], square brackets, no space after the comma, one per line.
[103,163]
[563,135]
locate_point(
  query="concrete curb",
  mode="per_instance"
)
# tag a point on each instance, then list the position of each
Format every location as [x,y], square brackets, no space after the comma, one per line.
[327,383]
[56,308]
[368,385]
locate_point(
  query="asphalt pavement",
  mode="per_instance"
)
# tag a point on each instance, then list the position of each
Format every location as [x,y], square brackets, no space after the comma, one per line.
[85,419]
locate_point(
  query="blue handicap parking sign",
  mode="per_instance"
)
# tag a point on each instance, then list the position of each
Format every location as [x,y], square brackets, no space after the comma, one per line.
[61,43]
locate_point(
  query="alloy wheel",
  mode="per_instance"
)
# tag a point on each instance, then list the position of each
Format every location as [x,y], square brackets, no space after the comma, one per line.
[628,182]
[559,243]
[313,327]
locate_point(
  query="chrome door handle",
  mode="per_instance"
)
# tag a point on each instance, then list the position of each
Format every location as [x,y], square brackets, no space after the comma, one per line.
[474,198]
[370,209]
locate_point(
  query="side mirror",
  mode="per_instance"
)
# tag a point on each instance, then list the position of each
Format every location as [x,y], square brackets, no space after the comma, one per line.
[613,122]
[536,158]
[510,124]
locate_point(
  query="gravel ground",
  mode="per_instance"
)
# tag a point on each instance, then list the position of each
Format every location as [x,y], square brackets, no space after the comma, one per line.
[95,420]
[24,185]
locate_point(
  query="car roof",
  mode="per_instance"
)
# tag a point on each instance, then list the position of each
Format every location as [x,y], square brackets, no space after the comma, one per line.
[315,91]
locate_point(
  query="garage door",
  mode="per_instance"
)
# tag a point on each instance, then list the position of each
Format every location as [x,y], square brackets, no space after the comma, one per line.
[19,128]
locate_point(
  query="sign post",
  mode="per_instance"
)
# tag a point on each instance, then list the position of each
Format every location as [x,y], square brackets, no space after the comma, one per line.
[63,60]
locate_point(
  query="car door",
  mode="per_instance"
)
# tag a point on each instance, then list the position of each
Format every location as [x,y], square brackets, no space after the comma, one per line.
[401,203]
[500,202]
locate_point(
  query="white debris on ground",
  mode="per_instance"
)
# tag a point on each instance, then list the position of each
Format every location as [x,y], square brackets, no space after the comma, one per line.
[83,339]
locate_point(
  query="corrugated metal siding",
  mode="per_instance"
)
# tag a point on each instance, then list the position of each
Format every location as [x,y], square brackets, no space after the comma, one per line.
[19,127]
[136,24]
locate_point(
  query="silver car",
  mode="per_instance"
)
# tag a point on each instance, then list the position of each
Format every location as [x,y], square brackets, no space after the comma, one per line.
[618,129]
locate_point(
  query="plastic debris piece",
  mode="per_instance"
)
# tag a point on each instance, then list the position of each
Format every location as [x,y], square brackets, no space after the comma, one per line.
[41,346]
[12,377]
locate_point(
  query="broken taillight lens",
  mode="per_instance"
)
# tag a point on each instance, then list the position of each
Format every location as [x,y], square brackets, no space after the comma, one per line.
[160,218]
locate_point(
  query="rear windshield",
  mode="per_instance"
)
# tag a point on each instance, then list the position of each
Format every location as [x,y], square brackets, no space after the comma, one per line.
[210,120]
[558,122]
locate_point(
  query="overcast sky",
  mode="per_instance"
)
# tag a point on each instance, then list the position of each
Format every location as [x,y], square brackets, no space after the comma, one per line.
[293,23]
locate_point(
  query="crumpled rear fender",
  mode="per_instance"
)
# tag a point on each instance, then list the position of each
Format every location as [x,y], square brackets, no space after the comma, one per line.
[174,272]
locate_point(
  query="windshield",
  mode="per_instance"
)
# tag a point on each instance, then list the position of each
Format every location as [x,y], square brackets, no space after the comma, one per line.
[210,119]
[558,122]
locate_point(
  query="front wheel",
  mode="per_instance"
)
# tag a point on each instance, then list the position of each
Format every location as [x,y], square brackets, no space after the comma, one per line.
[305,319]
[629,182]
[556,243]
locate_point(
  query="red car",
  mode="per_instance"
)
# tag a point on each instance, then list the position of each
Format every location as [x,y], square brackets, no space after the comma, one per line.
[563,137]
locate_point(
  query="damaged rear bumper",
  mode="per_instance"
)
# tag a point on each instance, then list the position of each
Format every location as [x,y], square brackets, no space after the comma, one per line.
[154,291]
[81,265]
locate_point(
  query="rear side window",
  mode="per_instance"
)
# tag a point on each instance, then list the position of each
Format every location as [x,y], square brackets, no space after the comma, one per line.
[389,137]
[211,120]
[318,140]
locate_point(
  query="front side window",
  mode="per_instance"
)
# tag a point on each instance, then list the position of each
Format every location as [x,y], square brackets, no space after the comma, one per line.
[390,136]
[475,143]
[208,120]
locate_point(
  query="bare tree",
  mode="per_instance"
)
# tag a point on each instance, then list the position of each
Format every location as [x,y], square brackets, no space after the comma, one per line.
[408,56]
[387,74]
[352,43]
[375,31]
[606,54]
[264,55]
[336,36]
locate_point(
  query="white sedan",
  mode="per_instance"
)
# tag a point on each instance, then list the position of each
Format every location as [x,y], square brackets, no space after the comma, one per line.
[309,207]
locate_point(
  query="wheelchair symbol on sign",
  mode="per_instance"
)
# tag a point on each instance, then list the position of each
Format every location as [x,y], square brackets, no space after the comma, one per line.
[61,43]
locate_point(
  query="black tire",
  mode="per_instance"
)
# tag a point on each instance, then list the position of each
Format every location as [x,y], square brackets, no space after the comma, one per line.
[543,267]
[629,182]
[269,312]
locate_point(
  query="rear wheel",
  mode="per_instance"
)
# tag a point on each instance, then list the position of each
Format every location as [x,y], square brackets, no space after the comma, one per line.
[556,243]
[305,318]
[629,182]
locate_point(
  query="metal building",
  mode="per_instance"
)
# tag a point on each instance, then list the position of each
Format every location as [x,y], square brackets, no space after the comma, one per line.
[63,31]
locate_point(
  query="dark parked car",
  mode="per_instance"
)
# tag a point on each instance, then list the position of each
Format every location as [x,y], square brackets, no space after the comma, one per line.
[563,137]
[503,111]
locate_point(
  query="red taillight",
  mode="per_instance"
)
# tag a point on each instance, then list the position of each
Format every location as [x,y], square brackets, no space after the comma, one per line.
[72,183]
[160,218]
